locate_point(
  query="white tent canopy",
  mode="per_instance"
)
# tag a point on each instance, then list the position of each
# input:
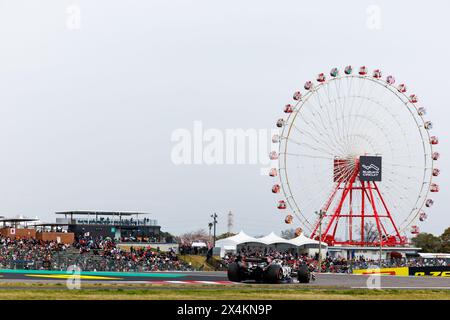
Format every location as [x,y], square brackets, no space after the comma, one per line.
[271,238]
[241,237]
[230,244]
[302,240]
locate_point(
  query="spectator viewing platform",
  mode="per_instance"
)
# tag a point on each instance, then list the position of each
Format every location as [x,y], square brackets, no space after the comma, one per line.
[123,226]
[16,222]
[19,226]
[113,218]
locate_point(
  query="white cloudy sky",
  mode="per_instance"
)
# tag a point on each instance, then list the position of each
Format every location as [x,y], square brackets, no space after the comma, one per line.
[86,115]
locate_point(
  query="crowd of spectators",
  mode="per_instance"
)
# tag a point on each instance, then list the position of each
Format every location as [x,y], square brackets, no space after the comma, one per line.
[103,254]
[88,253]
[143,259]
[28,253]
[106,255]
[189,249]
[330,264]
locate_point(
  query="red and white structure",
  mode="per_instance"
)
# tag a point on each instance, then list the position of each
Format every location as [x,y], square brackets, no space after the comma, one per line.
[332,128]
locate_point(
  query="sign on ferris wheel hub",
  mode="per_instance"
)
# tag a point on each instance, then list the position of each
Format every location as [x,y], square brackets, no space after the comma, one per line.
[357,147]
[369,168]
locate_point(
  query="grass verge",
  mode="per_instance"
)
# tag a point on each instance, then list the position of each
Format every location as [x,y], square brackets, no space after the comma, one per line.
[197,262]
[12,291]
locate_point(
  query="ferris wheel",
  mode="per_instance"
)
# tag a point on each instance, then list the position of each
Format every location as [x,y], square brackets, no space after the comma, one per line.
[355,148]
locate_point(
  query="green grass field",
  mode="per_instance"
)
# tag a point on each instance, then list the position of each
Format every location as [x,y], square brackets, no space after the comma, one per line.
[37,291]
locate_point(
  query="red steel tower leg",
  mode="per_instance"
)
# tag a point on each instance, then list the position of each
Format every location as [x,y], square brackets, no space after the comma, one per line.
[350,220]
[345,192]
[375,212]
[326,206]
[362,211]
[341,194]
[397,233]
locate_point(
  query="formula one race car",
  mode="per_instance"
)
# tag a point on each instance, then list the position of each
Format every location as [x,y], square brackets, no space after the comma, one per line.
[267,271]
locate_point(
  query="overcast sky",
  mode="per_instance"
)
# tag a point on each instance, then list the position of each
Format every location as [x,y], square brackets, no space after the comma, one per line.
[88,106]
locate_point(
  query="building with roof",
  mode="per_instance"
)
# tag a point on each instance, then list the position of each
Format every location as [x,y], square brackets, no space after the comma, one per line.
[370,252]
[16,222]
[17,227]
[119,225]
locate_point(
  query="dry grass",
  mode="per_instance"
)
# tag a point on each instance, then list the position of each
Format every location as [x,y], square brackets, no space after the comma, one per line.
[11,291]
[198,262]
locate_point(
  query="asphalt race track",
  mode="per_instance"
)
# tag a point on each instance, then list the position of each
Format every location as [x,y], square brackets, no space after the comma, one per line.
[336,281]
[147,277]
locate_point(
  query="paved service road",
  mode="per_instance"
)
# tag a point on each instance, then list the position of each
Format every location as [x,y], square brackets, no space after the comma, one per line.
[338,281]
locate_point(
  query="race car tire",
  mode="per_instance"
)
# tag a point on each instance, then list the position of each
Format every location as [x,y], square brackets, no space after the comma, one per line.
[274,274]
[303,274]
[234,272]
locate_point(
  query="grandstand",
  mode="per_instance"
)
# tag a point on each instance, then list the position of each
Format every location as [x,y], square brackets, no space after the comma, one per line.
[117,225]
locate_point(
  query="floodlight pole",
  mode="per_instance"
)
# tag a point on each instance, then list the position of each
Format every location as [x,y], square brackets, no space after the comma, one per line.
[214,216]
[320,214]
[210,225]
[381,250]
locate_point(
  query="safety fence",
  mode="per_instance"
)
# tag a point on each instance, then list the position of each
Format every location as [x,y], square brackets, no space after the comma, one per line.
[91,262]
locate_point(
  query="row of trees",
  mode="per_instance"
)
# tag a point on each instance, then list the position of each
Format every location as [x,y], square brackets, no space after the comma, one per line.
[370,232]
[427,241]
[433,244]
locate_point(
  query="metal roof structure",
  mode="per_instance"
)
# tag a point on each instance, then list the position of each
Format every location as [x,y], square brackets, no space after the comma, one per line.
[100,213]
[50,224]
[16,220]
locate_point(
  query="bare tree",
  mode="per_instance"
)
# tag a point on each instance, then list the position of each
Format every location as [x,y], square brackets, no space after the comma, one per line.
[225,235]
[192,236]
[288,234]
[370,232]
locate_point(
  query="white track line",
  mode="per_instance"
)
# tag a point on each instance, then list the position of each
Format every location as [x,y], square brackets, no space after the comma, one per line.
[189,282]
[381,288]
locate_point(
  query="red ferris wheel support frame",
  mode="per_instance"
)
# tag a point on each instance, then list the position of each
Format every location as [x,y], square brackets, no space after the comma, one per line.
[345,189]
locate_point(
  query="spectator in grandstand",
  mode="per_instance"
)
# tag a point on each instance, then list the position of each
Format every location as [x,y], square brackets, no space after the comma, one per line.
[329,264]
[88,253]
